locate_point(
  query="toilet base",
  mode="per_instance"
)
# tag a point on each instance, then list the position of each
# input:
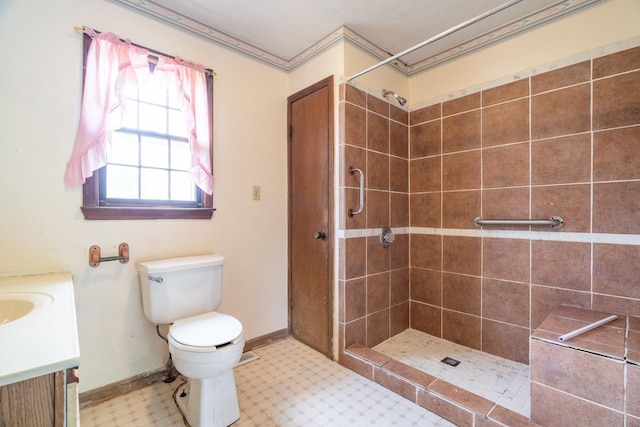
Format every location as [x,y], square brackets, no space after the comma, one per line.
[210,402]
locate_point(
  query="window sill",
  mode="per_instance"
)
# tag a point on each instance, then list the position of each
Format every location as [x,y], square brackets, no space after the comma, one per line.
[118,213]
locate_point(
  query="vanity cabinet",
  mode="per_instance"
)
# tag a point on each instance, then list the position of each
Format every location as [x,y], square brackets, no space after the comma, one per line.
[45,401]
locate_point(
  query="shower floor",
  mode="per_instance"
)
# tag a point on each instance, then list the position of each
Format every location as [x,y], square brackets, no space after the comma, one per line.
[500,380]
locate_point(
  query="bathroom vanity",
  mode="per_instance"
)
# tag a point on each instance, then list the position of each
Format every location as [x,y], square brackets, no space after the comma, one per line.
[39,351]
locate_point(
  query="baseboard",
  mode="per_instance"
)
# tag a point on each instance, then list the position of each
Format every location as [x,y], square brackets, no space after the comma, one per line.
[101,394]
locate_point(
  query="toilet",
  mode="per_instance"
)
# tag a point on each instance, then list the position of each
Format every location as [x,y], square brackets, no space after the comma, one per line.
[204,345]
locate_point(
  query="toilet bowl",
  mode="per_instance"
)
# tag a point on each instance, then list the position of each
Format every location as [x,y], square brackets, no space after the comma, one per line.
[205,348]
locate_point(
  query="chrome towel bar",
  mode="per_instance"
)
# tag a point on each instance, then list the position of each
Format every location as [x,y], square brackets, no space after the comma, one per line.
[353,170]
[554,222]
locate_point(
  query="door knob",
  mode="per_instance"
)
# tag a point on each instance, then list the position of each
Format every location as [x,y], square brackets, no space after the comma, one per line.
[319,235]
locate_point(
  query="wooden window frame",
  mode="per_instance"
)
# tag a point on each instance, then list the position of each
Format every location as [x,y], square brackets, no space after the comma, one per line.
[92,210]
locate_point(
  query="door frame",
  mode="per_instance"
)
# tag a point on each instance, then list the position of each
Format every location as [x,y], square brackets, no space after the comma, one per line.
[327,82]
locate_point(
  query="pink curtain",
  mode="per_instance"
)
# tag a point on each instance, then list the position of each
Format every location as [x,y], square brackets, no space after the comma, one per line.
[191,84]
[111,64]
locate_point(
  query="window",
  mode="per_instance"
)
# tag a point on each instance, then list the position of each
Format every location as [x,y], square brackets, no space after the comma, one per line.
[147,172]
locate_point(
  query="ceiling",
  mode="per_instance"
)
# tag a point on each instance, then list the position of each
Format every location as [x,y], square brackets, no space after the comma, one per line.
[286,33]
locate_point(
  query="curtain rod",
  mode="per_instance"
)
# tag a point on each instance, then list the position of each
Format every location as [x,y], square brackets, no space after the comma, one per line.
[437,37]
[154,52]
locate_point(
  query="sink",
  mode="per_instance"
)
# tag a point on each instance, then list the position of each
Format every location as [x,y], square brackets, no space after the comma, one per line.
[15,305]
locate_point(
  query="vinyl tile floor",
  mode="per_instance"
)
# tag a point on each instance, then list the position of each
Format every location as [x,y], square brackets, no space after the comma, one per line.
[500,380]
[288,384]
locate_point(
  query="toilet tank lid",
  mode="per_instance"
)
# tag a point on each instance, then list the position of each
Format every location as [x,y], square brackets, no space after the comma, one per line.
[206,330]
[173,264]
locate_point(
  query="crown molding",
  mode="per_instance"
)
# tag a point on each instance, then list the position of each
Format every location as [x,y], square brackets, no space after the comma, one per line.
[162,14]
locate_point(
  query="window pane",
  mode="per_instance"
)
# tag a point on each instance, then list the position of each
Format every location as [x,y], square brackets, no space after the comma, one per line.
[154,152]
[153,94]
[182,188]
[131,114]
[176,124]
[180,155]
[122,182]
[124,149]
[154,184]
[153,118]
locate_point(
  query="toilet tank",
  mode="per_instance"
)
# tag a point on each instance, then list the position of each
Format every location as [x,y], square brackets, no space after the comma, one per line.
[177,288]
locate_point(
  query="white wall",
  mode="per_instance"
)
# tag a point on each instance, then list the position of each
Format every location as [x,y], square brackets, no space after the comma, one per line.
[43,230]
[602,25]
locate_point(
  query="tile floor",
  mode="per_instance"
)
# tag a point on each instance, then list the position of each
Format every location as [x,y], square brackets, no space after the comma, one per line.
[288,385]
[495,378]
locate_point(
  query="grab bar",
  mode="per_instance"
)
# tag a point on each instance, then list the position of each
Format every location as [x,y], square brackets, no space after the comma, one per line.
[351,212]
[554,222]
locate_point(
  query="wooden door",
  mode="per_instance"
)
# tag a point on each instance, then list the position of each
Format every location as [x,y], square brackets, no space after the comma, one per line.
[310,119]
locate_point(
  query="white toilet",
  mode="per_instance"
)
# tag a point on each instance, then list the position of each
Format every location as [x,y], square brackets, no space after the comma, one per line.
[204,345]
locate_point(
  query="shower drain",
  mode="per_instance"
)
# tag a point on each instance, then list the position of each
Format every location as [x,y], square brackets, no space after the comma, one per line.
[450,361]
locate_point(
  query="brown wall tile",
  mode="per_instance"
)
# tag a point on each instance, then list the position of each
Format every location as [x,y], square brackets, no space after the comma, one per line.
[426,318]
[633,389]
[616,270]
[355,96]
[399,143]
[399,252]
[506,259]
[616,101]
[377,133]
[377,328]
[461,171]
[424,175]
[426,210]
[425,114]
[399,286]
[461,132]
[615,207]
[426,286]
[561,264]
[426,139]
[459,208]
[399,318]
[377,105]
[355,125]
[426,251]
[355,332]
[378,257]
[355,295]
[378,292]
[544,300]
[356,257]
[561,112]
[506,166]
[505,123]
[377,171]
[616,63]
[506,92]
[616,154]
[565,76]
[377,208]
[459,105]
[561,160]
[571,202]
[505,203]
[398,174]
[504,340]
[351,201]
[398,114]
[506,301]
[461,293]
[461,255]
[352,157]
[463,329]
[399,210]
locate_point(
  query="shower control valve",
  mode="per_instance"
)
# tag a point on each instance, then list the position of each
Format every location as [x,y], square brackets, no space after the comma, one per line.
[386,237]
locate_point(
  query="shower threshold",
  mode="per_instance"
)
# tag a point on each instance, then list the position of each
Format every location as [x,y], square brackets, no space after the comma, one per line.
[500,380]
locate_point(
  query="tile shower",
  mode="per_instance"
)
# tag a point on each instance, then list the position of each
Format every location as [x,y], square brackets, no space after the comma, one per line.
[560,143]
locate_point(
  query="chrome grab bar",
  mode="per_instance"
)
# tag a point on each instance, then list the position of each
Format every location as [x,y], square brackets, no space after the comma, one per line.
[554,222]
[351,212]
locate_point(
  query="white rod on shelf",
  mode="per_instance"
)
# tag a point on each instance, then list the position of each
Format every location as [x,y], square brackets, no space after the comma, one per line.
[587,328]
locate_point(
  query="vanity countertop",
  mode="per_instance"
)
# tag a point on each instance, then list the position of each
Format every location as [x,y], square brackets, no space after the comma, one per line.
[46,339]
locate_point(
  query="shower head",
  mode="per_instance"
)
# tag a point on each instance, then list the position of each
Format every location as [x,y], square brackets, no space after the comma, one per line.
[400,99]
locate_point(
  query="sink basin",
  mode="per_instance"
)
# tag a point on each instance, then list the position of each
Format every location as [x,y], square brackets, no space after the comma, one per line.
[15,305]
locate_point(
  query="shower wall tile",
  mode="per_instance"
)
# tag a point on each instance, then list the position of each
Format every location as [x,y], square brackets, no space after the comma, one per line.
[571,202]
[378,292]
[399,254]
[355,96]
[355,299]
[506,92]
[377,133]
[505,123]
[378,257]
[377,105]
[561,160]
[399,286]
[460,328]
[356,262]
[616,270]
[564,265]
[616,101]
[426,139]
[461,132]
[350,198]
[377,171]
[544,299]
[398,114]
[399,210]
[426,251]
[616,63]
[399,318]
[426,286]
[399,140]
[398,174]
[461,171]
[426,318]
[377,328]
[565,76]
[461,255]
[506,166]
[425,174]
[506,259]
[425,114]
[505,203]
[616,154]
[561,112]
[506,302]
[355,128]
[461,293]
[505,340]
[377,208]
[459,105]
[458,207]
[355,332]
[615,207]
[352,157]
[426,210]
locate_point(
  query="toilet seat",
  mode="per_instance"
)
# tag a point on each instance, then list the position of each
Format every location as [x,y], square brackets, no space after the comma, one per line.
[206,331]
